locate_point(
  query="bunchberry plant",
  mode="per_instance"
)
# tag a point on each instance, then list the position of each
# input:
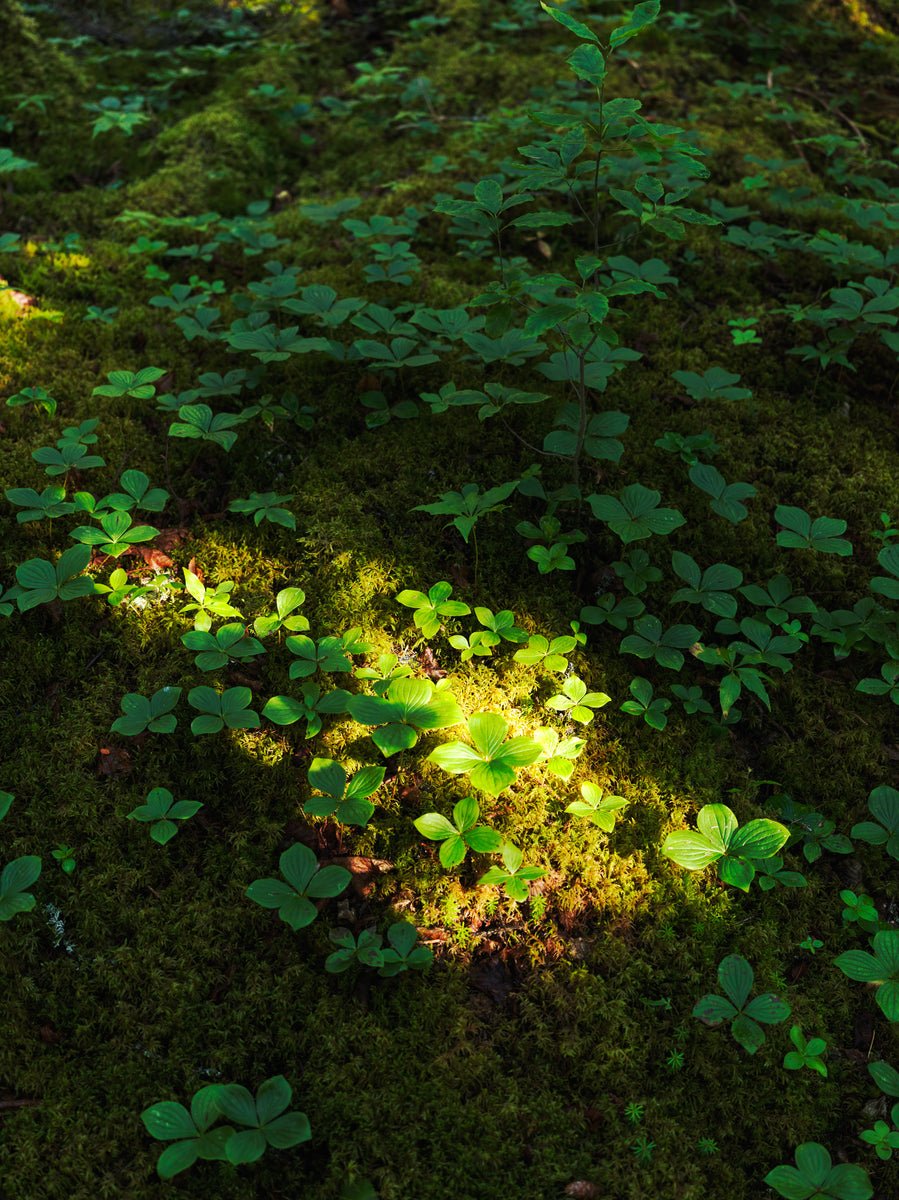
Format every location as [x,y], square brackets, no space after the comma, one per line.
[303,882]
[208,603]
[493,760]
[39,397]
[883,804]
[468,506]
[718,838]
[328,654]
[711,589]
[160,811]
[886,685]
[37,506]
[879,968]
[266,506]
[138,385]
[644,703]
[859,909]
[382,676]
[714,384]
[799,532]
[409,707]
[513,876]
[15,880]
[635,513]
[743,331]
[285,616]
[197,422]
[883,1137]
[137,493]
[460,835]
[746,1017]
[429,610]
[540,651]
[816,1178]
[480,643]
[807,1053]
[40,582]
[116,534]
[559,753]
[65,856]
[364,949]
[195,1134]
[770,873]
[727,498]
[403,953]
[264,1119]
[153,714]
[65,457]
[191,1133]
[345,799]
[231,643]
[501,624]
[692,699]
[575,702]
[650,640]
[596,807]
[310,707]
[106,316]
[217,710]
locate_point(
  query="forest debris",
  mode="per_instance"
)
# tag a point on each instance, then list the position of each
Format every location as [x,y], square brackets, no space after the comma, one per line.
[427,660]
[113,761]
[363,871]
[19,299]
[156,559]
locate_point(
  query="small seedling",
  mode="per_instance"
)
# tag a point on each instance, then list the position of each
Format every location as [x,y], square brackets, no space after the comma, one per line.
[576,702]
[513,876]
[160,810]
[460,835]
[430,609]
[807,1053]
[597,807]
[65,856]
[653,709]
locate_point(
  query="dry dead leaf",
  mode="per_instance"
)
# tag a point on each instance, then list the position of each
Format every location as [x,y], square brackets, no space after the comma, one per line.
[113,761]
[158,560]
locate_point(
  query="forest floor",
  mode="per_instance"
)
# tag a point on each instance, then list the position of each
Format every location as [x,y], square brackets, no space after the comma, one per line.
[550,1044]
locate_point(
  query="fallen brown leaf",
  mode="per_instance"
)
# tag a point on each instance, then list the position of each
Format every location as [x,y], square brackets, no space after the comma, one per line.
[158,560]
[427,660]
[113,761]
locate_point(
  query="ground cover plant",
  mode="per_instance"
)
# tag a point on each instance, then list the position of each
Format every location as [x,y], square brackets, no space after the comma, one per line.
[449,606]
